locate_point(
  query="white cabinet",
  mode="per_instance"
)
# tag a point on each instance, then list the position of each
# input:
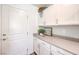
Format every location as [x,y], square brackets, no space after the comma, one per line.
[68,14]
[44,48]
[41,21]
[61,15]
[41,47]
[36,46]
[58,51]
[49,16]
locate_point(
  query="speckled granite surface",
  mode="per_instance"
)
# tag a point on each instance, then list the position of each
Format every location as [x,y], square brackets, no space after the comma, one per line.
[64,43]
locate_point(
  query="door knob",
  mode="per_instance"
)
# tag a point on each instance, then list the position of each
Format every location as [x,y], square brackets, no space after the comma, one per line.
[4,39]
[4,34]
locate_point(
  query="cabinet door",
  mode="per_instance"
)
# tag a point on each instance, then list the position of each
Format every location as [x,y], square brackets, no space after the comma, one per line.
[41,21]
[68,14]
[63,52]
[58,51]
[36,46]
[53,50]
[44,48]
[49,16]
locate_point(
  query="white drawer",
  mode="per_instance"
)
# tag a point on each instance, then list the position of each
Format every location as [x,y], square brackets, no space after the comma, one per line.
[58,51]
[44,44]
[53,48]
[64,52]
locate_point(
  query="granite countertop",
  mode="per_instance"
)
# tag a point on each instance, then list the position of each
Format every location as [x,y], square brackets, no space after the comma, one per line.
[64,43]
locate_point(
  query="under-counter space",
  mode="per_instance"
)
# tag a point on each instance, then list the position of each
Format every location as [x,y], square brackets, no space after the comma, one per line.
[68,45]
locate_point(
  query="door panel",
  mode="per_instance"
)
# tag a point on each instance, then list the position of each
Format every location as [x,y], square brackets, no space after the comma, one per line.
[15,27]
[0,29]
[30,33]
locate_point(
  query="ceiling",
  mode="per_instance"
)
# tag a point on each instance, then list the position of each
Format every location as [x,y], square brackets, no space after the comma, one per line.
[42,5]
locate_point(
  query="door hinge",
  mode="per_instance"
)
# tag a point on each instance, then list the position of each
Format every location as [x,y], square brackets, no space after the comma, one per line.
[27,51]
[27,33]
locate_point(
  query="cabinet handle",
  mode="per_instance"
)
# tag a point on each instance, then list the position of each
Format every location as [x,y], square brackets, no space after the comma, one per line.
[27,33]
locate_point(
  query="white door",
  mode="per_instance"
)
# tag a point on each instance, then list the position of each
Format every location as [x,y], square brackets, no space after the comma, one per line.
[14,31]
[0,29]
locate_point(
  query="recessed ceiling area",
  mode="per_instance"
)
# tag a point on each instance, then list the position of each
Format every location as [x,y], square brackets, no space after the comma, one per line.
[42,7]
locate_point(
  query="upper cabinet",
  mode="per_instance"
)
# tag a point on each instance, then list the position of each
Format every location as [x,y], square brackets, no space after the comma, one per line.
[49,16]
[61,14]
[68,14]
